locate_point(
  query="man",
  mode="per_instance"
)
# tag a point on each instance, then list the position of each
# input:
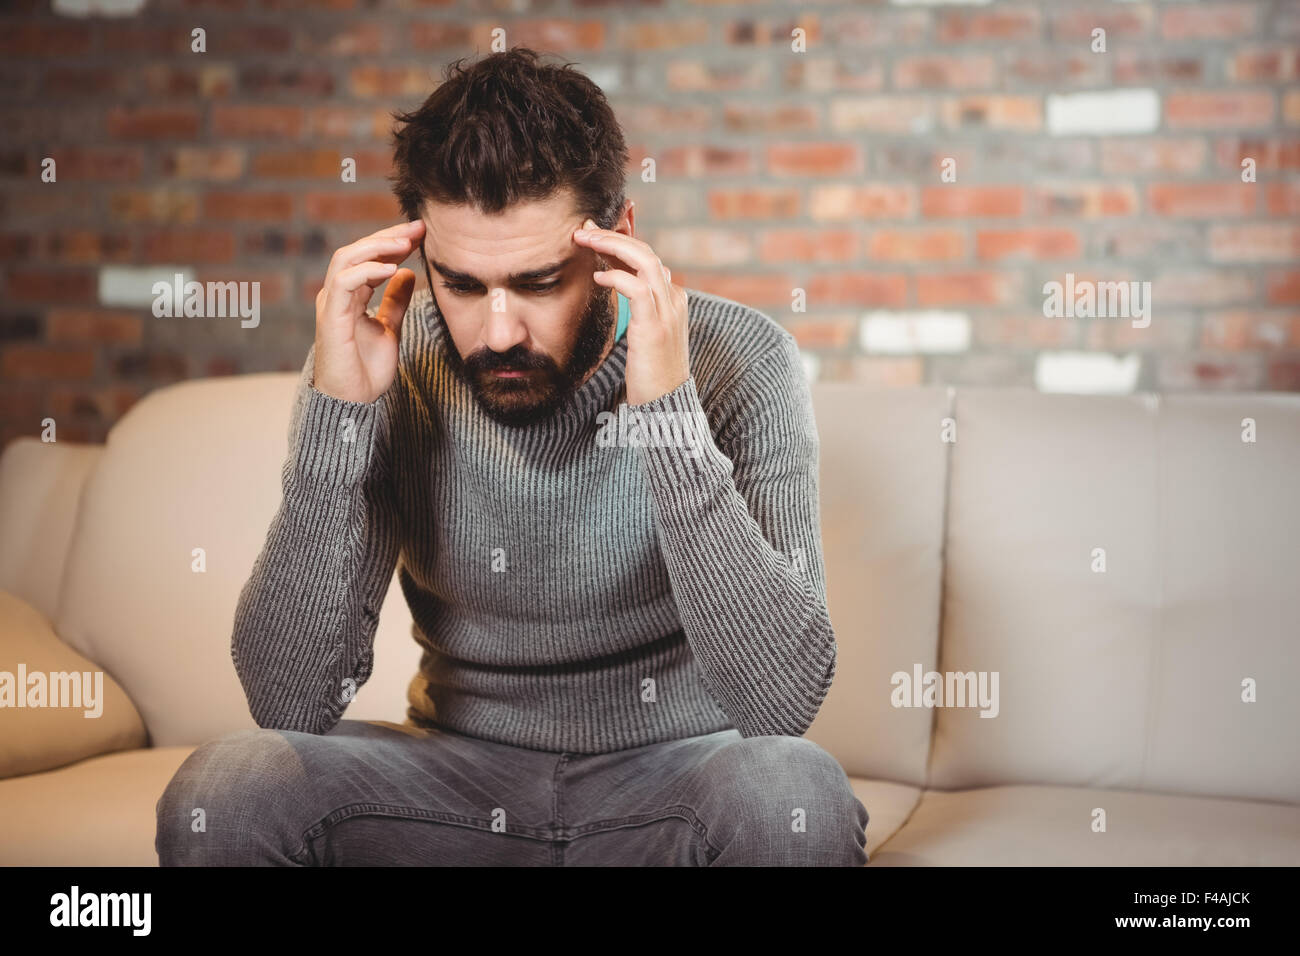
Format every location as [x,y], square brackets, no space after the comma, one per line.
[602,489]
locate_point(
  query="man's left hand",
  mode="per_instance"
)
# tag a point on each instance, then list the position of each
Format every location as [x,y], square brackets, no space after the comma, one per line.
[658,358]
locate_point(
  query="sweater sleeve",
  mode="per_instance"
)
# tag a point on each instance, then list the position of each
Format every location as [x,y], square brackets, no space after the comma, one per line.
[305,623]
[739,528]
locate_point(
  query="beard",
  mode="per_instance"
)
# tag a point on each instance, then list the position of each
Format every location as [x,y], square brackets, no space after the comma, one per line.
[522,400]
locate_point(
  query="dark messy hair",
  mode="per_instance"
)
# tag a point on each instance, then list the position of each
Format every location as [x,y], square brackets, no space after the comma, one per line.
[506,129]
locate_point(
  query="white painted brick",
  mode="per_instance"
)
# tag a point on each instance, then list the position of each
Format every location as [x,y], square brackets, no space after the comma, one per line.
[133,285]
[1089,373]
[102,8]
[906,333]
[1109,111]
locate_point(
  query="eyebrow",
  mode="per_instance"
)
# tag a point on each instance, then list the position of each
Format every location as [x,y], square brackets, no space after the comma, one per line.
[528,276]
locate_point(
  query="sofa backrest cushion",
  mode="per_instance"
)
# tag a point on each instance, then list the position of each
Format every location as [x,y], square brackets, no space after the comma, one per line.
[882,471]
[195,465]
[1131,677]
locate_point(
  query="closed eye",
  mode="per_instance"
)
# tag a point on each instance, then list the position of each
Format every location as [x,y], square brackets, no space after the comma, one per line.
[462,288]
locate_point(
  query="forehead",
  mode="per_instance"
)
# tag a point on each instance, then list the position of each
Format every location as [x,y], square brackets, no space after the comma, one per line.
[527,234]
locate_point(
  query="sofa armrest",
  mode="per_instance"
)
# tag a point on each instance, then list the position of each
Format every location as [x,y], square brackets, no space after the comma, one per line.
[40,494]
[56,706]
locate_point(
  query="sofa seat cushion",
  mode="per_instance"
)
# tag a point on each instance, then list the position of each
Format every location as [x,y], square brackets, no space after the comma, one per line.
[98,812]
[888,805]
[1052,826]
[80,711]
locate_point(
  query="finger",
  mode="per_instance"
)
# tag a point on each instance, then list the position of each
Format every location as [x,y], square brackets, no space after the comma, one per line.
[338,300]
[393,249]
[397,297]
[634,253]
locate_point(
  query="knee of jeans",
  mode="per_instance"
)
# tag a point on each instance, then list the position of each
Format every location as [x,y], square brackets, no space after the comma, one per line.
[790,777]
[223,786]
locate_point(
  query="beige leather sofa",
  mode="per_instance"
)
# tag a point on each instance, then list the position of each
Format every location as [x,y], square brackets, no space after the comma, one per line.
[1121,735]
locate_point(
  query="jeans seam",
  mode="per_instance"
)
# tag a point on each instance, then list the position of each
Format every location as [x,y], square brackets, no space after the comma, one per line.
[679,811]
[409,813]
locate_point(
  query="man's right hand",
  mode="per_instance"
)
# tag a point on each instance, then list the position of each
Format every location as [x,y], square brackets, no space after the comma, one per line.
[356,355]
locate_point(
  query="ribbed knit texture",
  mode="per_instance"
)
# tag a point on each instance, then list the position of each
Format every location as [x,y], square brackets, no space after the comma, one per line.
[568,596]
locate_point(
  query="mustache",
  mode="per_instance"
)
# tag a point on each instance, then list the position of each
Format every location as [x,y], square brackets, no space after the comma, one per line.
[516,359]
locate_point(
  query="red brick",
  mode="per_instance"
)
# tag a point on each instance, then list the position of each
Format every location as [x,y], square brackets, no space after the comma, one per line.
[217,163]
[257,122]
[806,74]
[299,164]
[1142,67]
[780,246]
[759,118]
[191,245]
[1085,200]
[48,285]
[882,29]
[88,246]
[296,81]
[82,81]
[699,76]
[857,288]
[1210,21]
[1270,154]
[1291,108]
[1033,244]
[1204,372]
[1128,21]
[231,205]
[39,362]
[823,333]
[44,40]
[917,245]
[154,122]
[367,82]
[348,123]
[1278,64]
[1125,157]
[688,162]
[137,36]
[880,114]
[1239,329]
[944,72]
[1057,68]
[1021,113]
[702,247]
[153,205]
[98,163]
[351,207]
[972,201]
[961,26]
[868,201]
[1215,109]
[348,39]
[209,82]
[756,203]
[1283,199]
[772,292]
[1202,200]
[967,288]
[1283,287]
[425,36]
[1261,242]
[668,35]
[105,327]
[1283,374]
[273,287]
[815,159]
[1204,287]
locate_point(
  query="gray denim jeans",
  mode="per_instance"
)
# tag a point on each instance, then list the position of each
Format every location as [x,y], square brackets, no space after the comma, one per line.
[373,793]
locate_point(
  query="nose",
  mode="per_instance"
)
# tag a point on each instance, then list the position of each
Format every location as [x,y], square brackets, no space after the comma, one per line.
[502,328]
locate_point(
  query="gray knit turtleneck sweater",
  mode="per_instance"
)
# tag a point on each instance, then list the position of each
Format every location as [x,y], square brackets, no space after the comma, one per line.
[572,590]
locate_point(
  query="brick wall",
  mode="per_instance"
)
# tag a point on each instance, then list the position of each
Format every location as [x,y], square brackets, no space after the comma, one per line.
[898,192]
